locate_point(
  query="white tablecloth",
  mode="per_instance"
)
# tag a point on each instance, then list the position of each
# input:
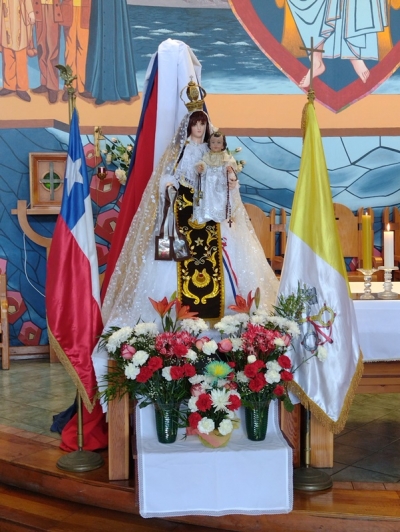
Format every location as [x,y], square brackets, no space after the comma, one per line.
[378,324]
[186,478]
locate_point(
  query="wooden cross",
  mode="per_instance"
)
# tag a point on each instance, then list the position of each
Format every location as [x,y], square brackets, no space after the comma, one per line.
[52,180]
[311,50]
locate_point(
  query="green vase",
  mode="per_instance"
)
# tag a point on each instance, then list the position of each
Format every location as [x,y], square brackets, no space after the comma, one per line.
[256,417]
[167,421]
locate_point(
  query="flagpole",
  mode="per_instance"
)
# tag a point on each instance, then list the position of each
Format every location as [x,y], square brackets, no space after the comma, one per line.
[306,478]
[80,460]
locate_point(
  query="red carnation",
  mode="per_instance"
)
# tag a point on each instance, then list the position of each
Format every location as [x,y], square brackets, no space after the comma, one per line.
[177,372]
[189,370]
[250,370]
[194,419]
[284,362]
[286,375]
[279,390]
[180,350]
[258,383]
[145,374]
[155,363]
[234,402]
[204,402]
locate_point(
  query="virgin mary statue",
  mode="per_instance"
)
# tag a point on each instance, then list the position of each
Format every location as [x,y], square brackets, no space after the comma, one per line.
[166,252]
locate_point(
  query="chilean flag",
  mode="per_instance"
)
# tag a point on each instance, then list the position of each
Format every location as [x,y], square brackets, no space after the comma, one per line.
[72,285]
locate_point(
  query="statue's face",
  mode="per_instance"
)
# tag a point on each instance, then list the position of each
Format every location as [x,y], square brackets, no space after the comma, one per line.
[216,144]
[198,130]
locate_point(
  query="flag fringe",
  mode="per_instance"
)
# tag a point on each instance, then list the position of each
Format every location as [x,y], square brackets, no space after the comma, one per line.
[333,426]
[65,361]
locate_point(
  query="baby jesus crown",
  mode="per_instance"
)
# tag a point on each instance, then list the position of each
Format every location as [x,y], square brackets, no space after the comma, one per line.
[194,92]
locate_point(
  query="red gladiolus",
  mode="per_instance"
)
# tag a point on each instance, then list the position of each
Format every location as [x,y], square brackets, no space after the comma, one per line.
[204,402]
[284,362]
[163,306]
[286,375]
[183,312]
[243,305]
[194,419]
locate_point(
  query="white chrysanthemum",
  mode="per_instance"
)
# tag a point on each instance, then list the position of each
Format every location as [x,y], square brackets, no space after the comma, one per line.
[166,373]
[220,399]
[322,353]
[289,326]
[273,365]
[209,348]
[279,342]
[194,327]
[251,359]
[225,427]
[146,328]
[140,357]
[241,377]
[131,371]
[272,376]
[222,382]
[208,382]
[192,404]
[236,344]
[242,318]
[196,379]
[206,425]
[120,175]
[118,338]
[260,317]
[230,414]
[191,355]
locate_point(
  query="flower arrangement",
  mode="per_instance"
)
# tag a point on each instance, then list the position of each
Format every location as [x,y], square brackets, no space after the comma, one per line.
[214,400]
[153,366]
[120,155]
[239,163]
[257,344]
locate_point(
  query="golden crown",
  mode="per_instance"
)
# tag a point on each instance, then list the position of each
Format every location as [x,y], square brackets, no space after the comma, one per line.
[194,92]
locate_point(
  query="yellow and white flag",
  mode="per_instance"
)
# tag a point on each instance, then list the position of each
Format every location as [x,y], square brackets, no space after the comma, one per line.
[314,259]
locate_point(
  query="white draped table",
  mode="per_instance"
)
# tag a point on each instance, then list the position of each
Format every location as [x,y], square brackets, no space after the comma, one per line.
[378,324]
[187,478]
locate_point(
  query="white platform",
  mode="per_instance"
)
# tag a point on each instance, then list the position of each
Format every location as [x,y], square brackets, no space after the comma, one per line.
[186,478]
[378,324]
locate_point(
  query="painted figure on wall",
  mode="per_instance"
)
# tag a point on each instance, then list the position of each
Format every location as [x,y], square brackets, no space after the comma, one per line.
[339,29]
[48,20]
[110,70]
[16,21]
[75,20]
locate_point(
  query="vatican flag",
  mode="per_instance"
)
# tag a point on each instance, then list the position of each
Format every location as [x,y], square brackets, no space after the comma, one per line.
[325,383]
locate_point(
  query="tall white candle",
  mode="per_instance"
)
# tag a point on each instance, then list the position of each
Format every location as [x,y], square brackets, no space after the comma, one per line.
[388,248]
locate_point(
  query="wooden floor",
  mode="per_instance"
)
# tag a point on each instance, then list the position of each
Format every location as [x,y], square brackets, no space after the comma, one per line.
[35,495]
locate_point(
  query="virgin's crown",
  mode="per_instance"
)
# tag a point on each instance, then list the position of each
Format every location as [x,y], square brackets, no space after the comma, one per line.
[195,94]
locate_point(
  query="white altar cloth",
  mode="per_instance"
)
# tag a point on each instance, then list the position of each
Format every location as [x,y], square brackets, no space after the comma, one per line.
[377,322]
[187,478]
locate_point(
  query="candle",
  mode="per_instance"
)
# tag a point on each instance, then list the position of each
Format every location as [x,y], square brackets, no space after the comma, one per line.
[388,248]
[366,242]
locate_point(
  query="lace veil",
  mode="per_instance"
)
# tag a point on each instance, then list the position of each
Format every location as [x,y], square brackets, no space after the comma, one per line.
[140,235]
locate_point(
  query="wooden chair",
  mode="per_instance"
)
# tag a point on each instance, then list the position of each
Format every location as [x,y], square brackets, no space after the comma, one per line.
[267,231]
[350,234]
[4,338]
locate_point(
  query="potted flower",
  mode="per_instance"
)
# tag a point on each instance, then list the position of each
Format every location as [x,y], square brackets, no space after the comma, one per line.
[258,345]
[155,367]
[213,403]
